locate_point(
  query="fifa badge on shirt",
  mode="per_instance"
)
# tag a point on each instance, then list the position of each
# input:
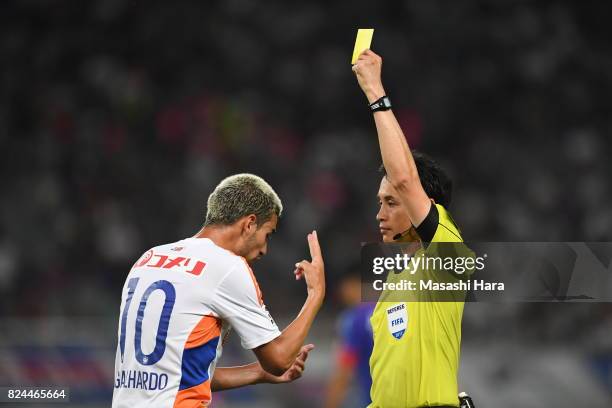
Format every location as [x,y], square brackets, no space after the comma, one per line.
[397,320]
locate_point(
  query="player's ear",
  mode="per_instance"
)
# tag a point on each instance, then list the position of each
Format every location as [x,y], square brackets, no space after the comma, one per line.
[250,225]
[245,224]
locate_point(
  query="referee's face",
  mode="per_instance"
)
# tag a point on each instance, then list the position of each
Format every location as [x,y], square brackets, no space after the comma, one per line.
[392,217]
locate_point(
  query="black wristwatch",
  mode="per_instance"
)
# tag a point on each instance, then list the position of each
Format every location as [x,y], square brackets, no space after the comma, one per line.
[381,104]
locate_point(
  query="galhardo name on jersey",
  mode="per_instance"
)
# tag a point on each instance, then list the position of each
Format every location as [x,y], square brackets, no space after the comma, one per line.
[141,380]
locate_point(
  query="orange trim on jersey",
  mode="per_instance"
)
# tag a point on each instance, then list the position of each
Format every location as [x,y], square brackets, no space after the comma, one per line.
[207,329]
[259,295]
[194,397]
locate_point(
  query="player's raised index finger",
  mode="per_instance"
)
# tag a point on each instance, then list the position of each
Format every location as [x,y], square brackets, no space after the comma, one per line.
[313,244]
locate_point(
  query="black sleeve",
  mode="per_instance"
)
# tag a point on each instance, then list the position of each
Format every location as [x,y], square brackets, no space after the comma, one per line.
[427,228]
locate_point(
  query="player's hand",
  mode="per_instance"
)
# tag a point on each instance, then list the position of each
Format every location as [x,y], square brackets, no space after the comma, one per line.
[295,371]
[368,69]
[313,271]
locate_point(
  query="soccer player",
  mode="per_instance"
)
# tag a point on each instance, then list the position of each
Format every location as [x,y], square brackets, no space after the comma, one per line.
[355,346]
[181,299]
[413,363]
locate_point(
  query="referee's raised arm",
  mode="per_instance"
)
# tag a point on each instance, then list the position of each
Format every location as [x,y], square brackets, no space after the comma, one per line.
[396,156]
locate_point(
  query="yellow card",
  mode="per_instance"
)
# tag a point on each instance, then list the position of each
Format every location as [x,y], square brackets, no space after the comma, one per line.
[362,42]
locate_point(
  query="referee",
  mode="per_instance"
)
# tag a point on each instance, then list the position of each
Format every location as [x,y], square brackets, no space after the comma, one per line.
[413,363]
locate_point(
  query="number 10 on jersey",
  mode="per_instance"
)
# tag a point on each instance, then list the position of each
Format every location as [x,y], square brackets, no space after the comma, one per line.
[164,320]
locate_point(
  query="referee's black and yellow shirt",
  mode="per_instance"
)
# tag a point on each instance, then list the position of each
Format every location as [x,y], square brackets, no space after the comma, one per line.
[415,358]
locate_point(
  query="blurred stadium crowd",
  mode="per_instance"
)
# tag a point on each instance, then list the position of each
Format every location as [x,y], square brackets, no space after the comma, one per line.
[118,118]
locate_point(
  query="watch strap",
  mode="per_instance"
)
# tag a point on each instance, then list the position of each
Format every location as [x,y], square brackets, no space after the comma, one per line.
[381,104]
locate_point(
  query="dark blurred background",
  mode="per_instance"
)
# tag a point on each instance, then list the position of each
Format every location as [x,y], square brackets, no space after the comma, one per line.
[118,118]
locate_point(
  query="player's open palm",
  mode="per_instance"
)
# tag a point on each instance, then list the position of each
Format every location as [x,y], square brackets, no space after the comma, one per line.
[313,271]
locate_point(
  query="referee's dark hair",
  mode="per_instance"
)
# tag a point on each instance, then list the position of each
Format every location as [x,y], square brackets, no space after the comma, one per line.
[434,180]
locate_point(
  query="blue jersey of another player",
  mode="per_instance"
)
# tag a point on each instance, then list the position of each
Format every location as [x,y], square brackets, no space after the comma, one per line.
[356,344]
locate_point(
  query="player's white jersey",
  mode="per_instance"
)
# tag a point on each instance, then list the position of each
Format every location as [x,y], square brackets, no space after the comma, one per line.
[179,301]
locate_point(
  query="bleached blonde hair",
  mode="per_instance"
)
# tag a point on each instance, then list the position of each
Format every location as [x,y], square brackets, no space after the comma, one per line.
[240,195]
